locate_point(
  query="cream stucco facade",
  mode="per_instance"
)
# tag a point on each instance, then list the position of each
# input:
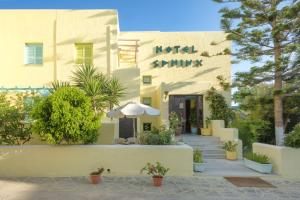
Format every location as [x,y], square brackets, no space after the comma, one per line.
[130,56]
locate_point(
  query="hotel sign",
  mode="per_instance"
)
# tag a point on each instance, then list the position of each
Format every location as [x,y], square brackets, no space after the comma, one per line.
[176,62]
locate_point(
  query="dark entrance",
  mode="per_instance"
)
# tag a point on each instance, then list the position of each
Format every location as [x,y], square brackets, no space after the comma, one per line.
[126,127]
[190,108]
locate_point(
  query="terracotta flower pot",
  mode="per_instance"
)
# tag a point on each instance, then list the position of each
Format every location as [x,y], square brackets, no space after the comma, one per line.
[231,155]
[157,181]
[95,179]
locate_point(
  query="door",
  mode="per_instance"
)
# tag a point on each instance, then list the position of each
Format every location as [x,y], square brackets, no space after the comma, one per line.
[126,127]
[182,106]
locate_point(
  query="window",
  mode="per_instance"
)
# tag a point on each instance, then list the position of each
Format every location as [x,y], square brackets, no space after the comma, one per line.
[147,101]
[84,53]
[33,54]
[147,79]
[146,126]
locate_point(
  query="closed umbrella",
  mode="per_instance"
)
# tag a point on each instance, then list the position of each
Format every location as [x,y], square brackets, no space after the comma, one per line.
[133,110]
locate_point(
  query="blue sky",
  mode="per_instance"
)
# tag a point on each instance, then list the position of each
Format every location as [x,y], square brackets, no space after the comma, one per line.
[142,15]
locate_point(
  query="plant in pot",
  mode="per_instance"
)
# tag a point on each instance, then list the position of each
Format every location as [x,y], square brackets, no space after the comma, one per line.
[258,162]
[231,150]
[175,123]
[193,121]
[198,164]
[157,171]
[206,131]
[95,176]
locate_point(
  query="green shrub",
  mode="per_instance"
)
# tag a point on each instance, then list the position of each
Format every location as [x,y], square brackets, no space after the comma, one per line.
[15,128]
[197,156]
[230,146]
[293,138]
[259,158]
[66,116]
[160,136]
[155,170]
[250,130]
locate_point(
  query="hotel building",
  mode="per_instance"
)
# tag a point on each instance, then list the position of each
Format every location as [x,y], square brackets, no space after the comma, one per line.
[170,71]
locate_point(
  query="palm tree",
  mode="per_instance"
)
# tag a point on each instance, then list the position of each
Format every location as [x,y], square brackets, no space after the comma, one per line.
[55,85]
[104,92]
[113,91]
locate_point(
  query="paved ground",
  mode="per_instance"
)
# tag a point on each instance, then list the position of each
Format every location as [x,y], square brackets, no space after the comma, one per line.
[140,188]
[222,167]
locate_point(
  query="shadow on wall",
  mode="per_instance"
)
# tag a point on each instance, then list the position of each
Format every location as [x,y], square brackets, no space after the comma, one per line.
[103,14]
[206,71]
[130,79]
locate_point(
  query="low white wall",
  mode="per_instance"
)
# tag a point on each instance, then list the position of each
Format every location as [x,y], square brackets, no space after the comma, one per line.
[80,160]
[227,134]
[285,160]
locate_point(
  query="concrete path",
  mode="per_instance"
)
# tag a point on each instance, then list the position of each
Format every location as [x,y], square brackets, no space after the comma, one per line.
[222,167]
[140,188]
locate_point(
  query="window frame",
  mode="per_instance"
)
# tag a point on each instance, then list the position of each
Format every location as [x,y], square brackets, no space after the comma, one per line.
[84,59]
[35,58]
[149,98]
[147,83]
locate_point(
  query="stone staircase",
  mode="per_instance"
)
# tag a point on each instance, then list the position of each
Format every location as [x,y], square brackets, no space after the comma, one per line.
[211,147]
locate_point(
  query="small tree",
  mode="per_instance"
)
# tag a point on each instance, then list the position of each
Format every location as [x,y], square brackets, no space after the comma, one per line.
[15,128]
[219,109]
[66,116]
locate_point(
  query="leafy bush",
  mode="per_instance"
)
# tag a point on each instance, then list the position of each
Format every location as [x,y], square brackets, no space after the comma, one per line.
[259,158]
[155,170]
[175,121]
[15,128]
[293,138]
[197,156]
[160,136]
[66,116]
[220,110]
[230,146]
[250,130]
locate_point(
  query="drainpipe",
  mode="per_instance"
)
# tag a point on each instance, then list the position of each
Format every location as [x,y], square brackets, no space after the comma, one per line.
[54,50]
[108,48]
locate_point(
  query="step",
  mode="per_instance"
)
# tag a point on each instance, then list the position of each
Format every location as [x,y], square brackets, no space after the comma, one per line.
[212,151]
[214,156]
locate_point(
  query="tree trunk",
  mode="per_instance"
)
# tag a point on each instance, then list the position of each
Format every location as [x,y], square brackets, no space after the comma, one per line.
[278,108]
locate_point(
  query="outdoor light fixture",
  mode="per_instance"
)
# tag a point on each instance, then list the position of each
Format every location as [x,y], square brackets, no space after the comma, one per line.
[166,93]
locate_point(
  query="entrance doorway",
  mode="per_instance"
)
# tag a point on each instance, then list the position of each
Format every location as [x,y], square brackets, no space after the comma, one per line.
[126,127]
[190,109]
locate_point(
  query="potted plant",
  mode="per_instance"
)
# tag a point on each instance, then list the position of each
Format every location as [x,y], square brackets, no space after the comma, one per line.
[198,161]
[230,148]
[206,131]
[193,121]
[95,176]
[175,123]
[258,162]
[157,171]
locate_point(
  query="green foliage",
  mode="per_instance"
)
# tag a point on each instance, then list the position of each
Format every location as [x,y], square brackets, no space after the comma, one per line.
[175,121]
[251,130]
[230,146]
[293,138]
[66,116]
[15,128]
[267,33]
[227,51]
[218,107]
[205,54]
[160,136]
[193,117]
[105,92]
[155,170]
[197,156]
[55,85]
[259,158]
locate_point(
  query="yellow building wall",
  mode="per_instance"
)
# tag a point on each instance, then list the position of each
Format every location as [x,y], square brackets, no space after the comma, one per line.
[181,80]
[58,30]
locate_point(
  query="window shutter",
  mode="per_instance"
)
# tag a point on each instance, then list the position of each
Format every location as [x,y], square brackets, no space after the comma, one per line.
[84,53]
[33,54]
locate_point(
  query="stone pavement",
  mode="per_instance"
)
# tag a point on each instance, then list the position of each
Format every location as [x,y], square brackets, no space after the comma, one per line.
[140,188]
